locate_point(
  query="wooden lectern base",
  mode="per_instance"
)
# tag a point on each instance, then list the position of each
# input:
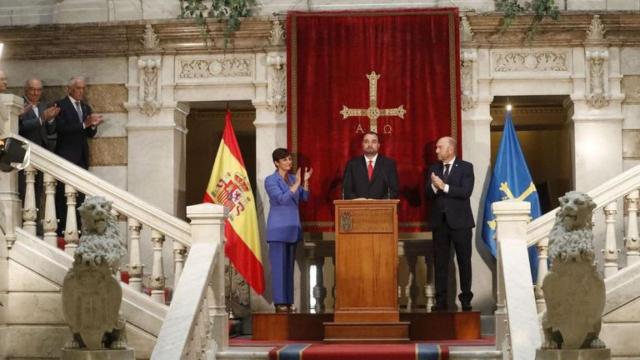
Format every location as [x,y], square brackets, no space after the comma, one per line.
[366,332]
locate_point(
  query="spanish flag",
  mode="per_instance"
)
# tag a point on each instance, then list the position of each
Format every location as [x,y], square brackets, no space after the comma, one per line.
[229,186]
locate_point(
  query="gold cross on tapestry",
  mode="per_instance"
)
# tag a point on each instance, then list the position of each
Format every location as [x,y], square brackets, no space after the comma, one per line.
[373,112]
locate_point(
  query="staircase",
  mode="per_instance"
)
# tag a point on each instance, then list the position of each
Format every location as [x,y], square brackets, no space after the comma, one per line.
[32,269]
[618,242]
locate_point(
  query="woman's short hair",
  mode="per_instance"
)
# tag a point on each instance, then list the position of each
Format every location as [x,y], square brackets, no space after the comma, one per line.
[279,154]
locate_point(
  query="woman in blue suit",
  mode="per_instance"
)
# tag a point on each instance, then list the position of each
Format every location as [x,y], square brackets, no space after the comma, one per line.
[283,224]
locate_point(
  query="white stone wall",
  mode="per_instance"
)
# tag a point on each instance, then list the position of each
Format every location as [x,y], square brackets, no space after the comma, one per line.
[22,12]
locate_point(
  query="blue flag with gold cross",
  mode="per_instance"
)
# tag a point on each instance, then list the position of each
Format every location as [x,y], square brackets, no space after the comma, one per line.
[510,180]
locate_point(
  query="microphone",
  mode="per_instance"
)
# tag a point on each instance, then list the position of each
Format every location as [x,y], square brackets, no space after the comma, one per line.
[386,182]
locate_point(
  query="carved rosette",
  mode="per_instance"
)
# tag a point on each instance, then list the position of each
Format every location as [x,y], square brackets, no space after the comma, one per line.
[149,96]
[469,88]
[597,61]
[277,33]
[277,87]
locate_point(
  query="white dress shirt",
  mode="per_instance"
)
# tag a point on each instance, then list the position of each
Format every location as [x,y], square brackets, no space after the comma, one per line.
[373,160]
[446,186]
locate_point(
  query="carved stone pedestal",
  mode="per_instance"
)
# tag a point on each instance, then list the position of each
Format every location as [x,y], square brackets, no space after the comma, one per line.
[82,354]
[580,354]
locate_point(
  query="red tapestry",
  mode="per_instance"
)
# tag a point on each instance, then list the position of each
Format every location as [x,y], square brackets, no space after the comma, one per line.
[402,65]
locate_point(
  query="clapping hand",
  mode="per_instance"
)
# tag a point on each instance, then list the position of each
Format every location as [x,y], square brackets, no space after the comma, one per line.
[437,182]
[93,120]
[51,112]
[26,108]
[307,173]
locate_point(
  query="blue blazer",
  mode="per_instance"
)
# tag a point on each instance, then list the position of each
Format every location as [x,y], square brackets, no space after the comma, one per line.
[283,223]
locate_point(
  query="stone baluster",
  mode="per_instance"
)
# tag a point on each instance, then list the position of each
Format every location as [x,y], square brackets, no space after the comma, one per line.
[632,241]
[410,289]
[500,315]
[429,289]
[319,290]
[71,237]
[50,223]
[179,252]
[135,264]
[157,272]
[543,268]
[29,210]
[610,249]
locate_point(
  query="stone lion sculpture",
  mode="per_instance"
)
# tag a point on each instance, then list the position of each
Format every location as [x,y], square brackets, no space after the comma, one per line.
[91,295]
[573,289]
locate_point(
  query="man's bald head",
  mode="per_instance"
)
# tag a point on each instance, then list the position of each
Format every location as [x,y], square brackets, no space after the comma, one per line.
[446,148]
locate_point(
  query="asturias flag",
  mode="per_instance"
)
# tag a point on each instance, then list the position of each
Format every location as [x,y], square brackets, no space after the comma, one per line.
[510,180]
[229,186]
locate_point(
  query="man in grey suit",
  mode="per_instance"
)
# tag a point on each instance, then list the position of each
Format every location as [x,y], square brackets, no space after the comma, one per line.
[36,120]
[35,124]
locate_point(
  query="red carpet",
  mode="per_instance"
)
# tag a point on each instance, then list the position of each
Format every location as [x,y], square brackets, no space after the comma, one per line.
[308,351]
[247,341]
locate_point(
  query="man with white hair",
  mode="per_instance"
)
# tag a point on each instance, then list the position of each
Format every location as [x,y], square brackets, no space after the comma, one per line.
[75,124]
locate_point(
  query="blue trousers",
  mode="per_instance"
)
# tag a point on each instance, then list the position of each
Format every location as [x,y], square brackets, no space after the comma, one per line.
[282,257]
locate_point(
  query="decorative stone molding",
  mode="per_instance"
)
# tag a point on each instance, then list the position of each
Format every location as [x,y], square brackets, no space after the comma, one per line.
[466,34]
[150,40]
[596,31]
[149,91]
[277,33]
[212,67]
[539,61]
[277,87]
[469,82]
[597,75]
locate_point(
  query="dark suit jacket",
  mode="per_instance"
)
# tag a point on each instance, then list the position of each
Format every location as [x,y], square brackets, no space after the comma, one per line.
[72,138]
[31,128]
[383,184]
[455,204]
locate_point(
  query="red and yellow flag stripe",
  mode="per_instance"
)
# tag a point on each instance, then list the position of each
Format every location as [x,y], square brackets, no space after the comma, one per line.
[229,186]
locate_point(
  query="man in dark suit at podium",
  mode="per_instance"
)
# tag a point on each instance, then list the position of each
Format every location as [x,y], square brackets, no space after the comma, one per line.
[449,186]
[371,175]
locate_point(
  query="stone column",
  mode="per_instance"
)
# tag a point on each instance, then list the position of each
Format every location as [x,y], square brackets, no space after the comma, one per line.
[271,133]
[476,148]
[10,206]
[156,128]
[10,214]
[597,111]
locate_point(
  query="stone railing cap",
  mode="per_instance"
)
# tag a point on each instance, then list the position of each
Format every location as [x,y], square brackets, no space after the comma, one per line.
[508,206]
[205,209]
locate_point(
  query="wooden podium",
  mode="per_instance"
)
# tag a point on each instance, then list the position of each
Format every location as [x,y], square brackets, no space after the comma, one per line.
[366,305]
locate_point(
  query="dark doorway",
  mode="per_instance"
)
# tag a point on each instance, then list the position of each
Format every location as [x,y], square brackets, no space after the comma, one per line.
[545,131]
[205,124]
